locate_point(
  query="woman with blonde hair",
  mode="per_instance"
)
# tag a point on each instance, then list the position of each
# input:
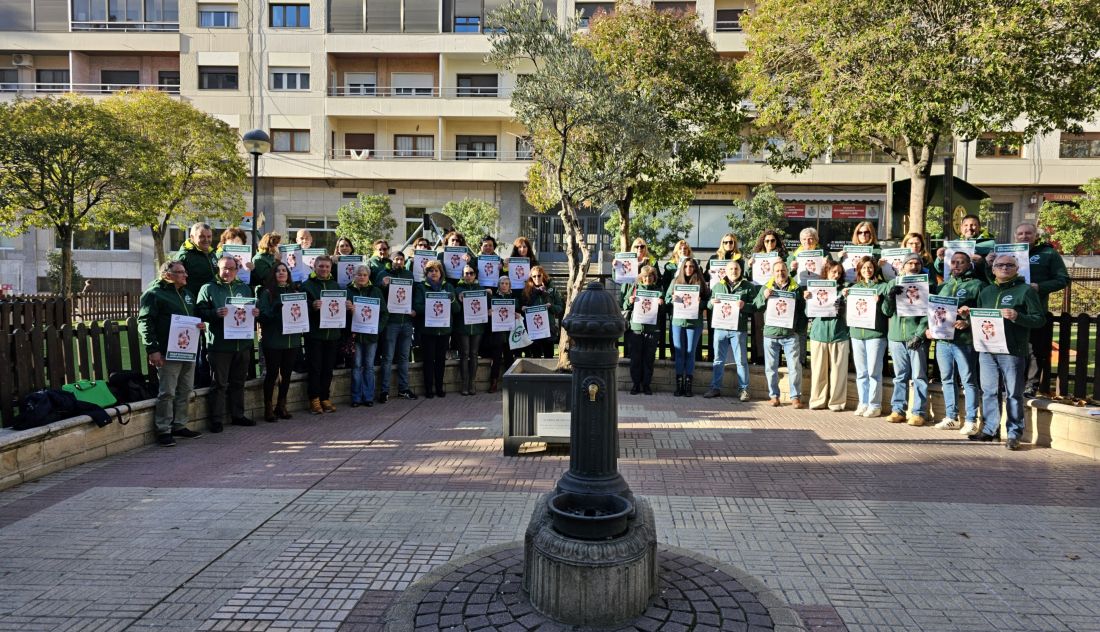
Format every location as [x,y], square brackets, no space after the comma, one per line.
[263,262]
[728,250]
[539,291]
[680,253]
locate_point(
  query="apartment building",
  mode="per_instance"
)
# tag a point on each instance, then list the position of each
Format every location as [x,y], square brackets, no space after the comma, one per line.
[394,97]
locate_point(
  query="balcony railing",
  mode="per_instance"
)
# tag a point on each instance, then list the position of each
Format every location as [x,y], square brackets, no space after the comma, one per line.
[429,154]
[447,92]
[726,26]
[82,88]
[125,27]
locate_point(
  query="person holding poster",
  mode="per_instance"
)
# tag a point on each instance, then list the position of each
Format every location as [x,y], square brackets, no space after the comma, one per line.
[229,357]
[728,250]
[687,293]
[735,293]
[785,340]
[864,244]
[503,306]
[470,326]
[232,242]
[1021,311]
[625,267]
[829,346]
[397,338]
[455,255]
[770,245]
[521,249]
[422,254]
[956,356]
[167,297]
[263,262]
[433,336]
[807,261]
[642,333]
[908,347]
[970,229]
[487,263]
[280,347]
[867,330]
[380,261]
[366,344]
[539,291]
[322,343]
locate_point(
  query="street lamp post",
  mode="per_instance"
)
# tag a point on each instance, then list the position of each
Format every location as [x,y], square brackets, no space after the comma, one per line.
[257,143]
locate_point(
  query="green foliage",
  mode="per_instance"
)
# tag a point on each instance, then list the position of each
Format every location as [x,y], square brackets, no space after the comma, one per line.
[473,217]
[365,219]
[55,273]
[760,212]
[933,223]
[899,75]
[1075,229]
[661,226]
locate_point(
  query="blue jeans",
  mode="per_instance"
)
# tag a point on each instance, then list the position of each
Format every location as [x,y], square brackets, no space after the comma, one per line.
[955,358]
[685,340]
[791,347]
[868,355]
[1013,370]
[909,364]
[727,342]
[362,376]
[399,340]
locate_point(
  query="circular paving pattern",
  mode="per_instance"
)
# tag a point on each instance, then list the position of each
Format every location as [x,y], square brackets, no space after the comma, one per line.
[486,593]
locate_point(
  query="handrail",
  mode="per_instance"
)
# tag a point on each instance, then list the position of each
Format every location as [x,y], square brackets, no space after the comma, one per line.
[96,25]
[435,92]
[84,88]
[429,154]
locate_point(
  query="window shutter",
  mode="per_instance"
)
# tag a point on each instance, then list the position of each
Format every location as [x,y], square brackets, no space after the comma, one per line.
[421,16]
[383,16]
[345,16]
[51,15]
[17,16]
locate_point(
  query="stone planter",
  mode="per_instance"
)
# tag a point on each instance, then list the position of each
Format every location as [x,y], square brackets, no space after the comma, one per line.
[532,386]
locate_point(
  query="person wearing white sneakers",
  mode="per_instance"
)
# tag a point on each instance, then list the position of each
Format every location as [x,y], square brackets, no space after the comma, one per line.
[956,357]
[868,345]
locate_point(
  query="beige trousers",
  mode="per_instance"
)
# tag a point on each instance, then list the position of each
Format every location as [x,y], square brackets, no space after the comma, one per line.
[828,374]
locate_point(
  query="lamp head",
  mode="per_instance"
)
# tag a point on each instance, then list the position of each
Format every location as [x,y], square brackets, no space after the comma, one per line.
[256,142]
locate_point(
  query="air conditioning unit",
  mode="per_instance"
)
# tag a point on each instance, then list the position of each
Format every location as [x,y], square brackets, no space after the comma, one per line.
[21,59]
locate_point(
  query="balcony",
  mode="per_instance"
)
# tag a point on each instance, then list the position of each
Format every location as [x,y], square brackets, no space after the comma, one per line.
[31,89]
[445,92]
[430,155]
[126,27]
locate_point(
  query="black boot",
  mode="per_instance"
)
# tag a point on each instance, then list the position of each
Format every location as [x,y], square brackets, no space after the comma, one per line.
[687,387]
[679,386]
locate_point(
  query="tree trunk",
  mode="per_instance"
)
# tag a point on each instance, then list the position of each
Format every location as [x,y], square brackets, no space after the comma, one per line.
[65,236]
[624,219]
[158,246]
[918,185]
[579,257]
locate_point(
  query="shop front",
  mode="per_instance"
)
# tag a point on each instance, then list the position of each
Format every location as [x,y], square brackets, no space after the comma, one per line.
[835,216]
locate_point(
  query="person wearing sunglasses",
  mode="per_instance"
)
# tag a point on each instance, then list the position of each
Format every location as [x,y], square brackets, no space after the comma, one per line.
[1023,312]
[728,250]
[539,291]
[863,235]
[468,334]
[956,357]
[768,241]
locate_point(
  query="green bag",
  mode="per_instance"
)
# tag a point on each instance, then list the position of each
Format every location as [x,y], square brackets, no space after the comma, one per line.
[91,391]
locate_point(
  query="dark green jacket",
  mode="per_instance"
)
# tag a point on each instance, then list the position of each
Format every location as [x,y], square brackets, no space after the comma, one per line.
[704,298]
[313,287]
[1048,271]
[368,291]
[202,267]
[744,290]
[419,295]
[378,266]
[497,294]
[862,333]
[262,264]
[1031,313]
[441,257]
[395,273]
[160,301]
[628,290]
[761,304]
[965,288]
[212,296]
[903,328]
[550,298]
[982,248]
[271,318]
[831,328]
[461,328]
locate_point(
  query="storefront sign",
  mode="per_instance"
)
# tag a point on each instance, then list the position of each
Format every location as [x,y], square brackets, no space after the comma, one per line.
[831,211]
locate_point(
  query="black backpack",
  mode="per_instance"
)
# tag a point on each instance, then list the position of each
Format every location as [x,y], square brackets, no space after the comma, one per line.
[49,405]
[130,386]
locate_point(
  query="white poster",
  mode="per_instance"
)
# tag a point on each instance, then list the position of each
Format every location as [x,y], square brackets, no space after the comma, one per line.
[862,307]
[437,309]
[537,319]
[780,309]
[309,255]
[420,261]
[519,339]
[239,323]
[503,314]
[989,330]
[625,267]
[853,255]
[475,307]
[488,270]
[333,309]
[913,300]
[969,246]
[810,265]
[295,314]
[647,306]
[399,299]
[942,313]
[726,312]
[891,261]
[365,315]
[1020,252]
[454,259]
[183,339]
[345,268]
[519,270]
[822,301]
[762,263]
[716,268]
[291,254]
[685,302]
[243,254]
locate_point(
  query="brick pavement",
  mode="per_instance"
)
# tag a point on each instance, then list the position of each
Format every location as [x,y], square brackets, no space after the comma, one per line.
[319,523]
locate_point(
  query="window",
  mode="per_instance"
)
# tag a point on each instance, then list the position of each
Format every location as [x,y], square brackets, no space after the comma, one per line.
[999,146]
[99,240]
[360,84]
[409,146]
[289,79]
[728,19]
[52,80]
[1085,145]
[9,79]
[525,150]
[476,147]
[674,7]
[290,140]
[470,24]
[477,86]
[162,11]
[113,80]
[323,230]
[124,10]
[169,81]
[290,16]
[218,78]
[589,9]
[218,16]
[414,219]
[359,146]
[413,84]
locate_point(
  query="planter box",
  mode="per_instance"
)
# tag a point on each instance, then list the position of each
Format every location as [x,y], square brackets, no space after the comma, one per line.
[532,386]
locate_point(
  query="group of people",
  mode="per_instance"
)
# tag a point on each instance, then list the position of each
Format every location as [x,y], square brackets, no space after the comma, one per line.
[866,282]
[202,283]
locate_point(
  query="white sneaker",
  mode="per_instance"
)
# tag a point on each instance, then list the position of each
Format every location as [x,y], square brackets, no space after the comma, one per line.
[969,428]
[948,423]
[745,395]
[862,408]
[873,412]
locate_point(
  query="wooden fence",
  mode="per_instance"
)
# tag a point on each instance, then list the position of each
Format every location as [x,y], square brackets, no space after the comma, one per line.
[26,311]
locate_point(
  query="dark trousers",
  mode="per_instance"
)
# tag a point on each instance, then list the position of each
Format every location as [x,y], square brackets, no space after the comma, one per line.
[321,358]
[230,370]
[500,354]
[279,365]
[468,346]
[643,353]
[434,349]
[1038,361]
[541,348]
